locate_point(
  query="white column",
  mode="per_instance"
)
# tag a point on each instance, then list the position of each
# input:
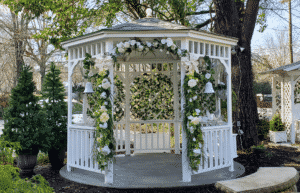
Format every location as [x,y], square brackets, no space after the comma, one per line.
[186,169]
[281,98]
[69,113]
[229,113]
[293,130]
[85,105]
[176,108]
[273,95]
[109,171]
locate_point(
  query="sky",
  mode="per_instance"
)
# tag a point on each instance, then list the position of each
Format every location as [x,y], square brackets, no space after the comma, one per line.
[277,23]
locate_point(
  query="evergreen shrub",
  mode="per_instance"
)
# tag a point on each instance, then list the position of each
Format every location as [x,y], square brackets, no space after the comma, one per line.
[23,117]
[263,128]
[276,123]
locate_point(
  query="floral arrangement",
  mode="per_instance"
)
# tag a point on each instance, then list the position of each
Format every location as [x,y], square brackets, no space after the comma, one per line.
[196,102]
[194,83]
[101,112]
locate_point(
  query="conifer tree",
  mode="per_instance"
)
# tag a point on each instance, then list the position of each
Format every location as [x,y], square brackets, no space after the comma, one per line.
[23,119]
[56,110]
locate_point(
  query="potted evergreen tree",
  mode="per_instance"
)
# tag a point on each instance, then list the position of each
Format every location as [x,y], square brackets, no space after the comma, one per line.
[56,118]
[23,120]
[277,130]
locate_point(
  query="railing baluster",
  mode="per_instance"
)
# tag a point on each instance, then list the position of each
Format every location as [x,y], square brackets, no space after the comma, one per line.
[86,149]
[164,135]
[170,136]
[140,136]
[216,149]
[221,147]
[134,143]
[157,136]
[146,136]
[210,150]
[152,135]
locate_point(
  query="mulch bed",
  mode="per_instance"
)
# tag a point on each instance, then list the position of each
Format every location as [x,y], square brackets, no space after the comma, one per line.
[281,156]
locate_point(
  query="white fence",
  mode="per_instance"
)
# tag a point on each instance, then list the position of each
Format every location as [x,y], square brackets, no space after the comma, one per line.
[218,153]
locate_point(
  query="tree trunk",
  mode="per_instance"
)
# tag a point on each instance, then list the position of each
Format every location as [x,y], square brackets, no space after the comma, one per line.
[233,20]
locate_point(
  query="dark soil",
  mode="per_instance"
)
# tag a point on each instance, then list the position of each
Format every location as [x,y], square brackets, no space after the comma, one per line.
[281,156]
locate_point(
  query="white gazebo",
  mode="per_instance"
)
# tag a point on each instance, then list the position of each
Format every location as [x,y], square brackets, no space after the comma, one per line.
[219,141]
[286,97]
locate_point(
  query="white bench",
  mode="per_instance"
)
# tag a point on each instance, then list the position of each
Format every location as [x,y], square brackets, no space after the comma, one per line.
[266,179]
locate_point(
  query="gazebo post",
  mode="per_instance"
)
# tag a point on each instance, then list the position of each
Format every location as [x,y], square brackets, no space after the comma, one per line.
[293,130]
[109,170]
[186,169]
[69,113]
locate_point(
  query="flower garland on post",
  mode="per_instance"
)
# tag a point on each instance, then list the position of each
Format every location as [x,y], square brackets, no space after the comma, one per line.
[193,90]
[195,103]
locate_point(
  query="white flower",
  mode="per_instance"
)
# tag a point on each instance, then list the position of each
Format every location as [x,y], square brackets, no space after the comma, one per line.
[191,100]
[173,47]
[103,95]
[194,139]
[106,150]
[192,83]
[195,121]
[155,44]
[192,129]
[126,44]
[190,117]
[104,126]
[120,45]
[163,41]
[197,111]
[167,52]
[160,50]
[104,117]
[148,44]
[195,97]
[140,48]
[179,52]
[207,75]
[90,73]
[100,86]
[105,103]
[103,109]
[138,43]
[121,50]
[146,49]
[106,85]
[132,42]
[169,42]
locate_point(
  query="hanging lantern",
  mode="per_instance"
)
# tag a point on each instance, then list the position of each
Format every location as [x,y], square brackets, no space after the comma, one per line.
[88,88]
[209,88]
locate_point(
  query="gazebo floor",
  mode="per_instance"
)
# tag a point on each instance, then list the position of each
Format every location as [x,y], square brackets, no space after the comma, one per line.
[152,170]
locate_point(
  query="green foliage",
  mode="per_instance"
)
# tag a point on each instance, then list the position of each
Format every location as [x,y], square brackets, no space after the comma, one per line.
[23,116]
[263,128]
[10,181]
[55,110]
[6,151]
[262,88]
[276,123]
[152,95]
[43,158]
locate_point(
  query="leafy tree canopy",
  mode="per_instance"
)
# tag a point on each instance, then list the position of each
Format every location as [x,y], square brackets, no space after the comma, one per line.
[72,17]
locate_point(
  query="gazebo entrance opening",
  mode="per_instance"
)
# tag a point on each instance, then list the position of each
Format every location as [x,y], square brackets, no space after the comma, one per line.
[147,106]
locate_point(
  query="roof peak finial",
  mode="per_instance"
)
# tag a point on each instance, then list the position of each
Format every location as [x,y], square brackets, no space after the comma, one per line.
[148,12]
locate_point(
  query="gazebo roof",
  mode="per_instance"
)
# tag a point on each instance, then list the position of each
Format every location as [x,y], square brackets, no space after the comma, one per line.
[283,69]
[146,24]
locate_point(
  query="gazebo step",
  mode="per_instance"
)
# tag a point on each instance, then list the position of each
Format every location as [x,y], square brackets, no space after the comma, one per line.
[266,179]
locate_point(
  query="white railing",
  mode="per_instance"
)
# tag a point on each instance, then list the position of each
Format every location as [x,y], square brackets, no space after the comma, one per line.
[148,136]
[217,149]
[80,155]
